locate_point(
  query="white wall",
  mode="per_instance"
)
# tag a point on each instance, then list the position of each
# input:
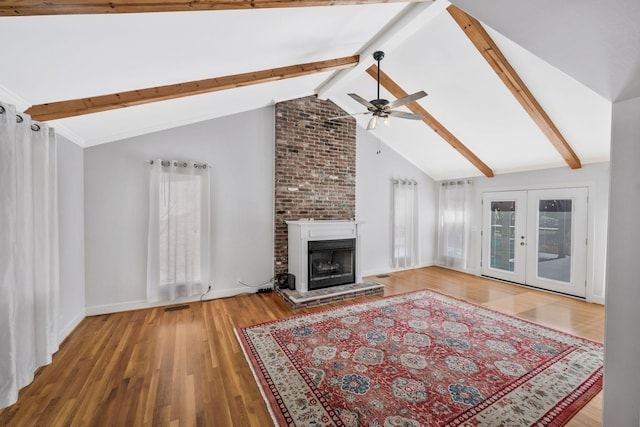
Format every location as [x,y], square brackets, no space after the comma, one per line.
[593,176]
[622,315]
[240,150]
[71,235]
[373,203]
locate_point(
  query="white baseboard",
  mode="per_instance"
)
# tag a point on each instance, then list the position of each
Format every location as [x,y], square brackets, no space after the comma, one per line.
[596,300]
[384,270]
[231,292]
[142,304]
[120,306]
[69,327]
[472,272]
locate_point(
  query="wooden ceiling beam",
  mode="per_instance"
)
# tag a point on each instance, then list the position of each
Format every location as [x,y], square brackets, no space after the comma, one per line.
[395,89]
[95,104]
[80,7]
[492,54]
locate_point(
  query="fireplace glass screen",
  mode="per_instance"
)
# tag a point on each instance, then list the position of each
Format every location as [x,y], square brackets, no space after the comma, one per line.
[331,263]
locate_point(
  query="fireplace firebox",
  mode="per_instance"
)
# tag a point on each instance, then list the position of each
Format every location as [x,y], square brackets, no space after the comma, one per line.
[306,234]
[331,263]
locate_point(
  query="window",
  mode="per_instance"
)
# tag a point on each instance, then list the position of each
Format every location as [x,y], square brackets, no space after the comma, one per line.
[454,224]
[405,223]
[178,245]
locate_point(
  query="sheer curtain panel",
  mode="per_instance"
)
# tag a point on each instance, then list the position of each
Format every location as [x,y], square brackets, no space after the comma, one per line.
[454,224]
[179,230]
[404,229]
[29,278]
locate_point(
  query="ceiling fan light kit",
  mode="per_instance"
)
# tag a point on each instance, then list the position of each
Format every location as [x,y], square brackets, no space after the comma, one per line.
[372,123]
[382,108]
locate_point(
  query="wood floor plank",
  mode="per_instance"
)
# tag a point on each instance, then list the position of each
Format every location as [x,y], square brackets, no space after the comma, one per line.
[185,367]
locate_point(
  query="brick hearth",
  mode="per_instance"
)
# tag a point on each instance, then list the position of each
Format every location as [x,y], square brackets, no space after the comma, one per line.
[328,295]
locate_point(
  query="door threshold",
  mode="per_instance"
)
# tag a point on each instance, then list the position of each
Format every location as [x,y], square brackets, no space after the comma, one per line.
[535,287]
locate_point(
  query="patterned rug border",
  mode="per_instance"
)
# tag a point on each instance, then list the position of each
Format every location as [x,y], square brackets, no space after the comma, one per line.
[560,414]
[255,377]
[593,385]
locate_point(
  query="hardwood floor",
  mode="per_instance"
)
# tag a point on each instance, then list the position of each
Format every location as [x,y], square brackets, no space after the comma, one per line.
[186,368]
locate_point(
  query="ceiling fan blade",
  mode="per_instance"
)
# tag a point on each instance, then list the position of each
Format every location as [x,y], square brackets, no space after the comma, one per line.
[407,99]
[361,100]
[403,115]
[347,115]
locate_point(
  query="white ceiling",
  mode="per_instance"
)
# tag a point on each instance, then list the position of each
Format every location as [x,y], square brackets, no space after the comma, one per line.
[55,58]
[596,42]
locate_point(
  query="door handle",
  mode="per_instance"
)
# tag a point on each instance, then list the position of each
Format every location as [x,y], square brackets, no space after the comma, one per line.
[522,243]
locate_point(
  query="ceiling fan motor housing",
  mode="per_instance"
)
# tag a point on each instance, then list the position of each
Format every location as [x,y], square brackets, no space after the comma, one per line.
[380,103]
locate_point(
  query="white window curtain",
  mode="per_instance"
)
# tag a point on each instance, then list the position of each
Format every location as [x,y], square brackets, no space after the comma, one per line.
[454,224]
[404,230]
[179,230]
[29,268]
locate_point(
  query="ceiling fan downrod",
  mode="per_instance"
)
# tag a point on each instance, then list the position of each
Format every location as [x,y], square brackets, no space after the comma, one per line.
[378,55]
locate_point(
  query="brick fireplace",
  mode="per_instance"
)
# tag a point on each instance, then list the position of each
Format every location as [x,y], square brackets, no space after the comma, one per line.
[315,191]
[315,167]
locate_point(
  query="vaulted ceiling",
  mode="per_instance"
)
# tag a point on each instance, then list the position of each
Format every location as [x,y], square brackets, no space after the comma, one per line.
[495,103]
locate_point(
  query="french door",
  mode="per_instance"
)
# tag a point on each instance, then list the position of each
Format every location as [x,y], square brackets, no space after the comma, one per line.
[537,238]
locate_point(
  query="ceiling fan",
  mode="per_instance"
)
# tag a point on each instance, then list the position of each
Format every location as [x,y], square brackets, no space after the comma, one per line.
[382,109]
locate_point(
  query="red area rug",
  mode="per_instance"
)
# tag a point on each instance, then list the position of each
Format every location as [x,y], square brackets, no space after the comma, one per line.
[420,359]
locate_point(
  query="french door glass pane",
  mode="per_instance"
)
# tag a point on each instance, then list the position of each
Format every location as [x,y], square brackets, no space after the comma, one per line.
[503,220]
[554,239]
